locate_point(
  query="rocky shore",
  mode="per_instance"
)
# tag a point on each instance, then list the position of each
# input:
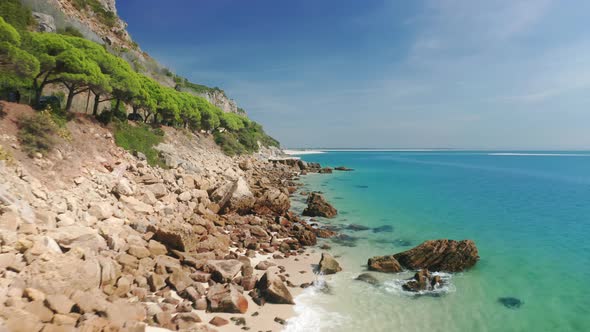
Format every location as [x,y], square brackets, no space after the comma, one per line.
[94,239]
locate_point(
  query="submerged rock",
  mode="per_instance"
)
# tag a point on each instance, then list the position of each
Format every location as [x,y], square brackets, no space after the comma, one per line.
[357,228]
[421,281]
[440,255]
[328,265]
[383,229]
[343,168]
[368,278]
[317,206]
[510,302]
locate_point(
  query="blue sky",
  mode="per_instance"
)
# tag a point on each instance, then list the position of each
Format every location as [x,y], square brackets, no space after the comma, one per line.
[504,74]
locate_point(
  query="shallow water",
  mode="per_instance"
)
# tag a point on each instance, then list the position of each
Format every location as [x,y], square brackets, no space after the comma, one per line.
[528,214]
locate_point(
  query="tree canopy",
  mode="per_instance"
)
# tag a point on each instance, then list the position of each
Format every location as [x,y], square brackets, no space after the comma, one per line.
[17,67]
[36,60]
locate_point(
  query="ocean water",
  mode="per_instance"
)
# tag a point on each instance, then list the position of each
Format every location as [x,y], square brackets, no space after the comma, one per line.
[529,214]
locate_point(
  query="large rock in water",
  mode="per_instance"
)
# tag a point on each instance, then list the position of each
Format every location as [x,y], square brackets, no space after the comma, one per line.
[440,255]
[384,264]
[272,288]
[328,265]
[317,206]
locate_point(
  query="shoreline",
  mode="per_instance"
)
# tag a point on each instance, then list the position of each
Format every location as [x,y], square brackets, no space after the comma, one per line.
[264,316]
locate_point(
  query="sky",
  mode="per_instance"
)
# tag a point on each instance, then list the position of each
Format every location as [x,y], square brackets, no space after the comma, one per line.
[493,74]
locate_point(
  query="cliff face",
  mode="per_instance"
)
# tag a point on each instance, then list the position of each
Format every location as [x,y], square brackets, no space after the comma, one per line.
[98,21]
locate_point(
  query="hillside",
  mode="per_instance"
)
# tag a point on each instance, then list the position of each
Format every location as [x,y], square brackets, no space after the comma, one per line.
[97,20]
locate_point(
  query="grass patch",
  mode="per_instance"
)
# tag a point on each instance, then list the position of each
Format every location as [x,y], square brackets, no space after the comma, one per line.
[6,156]
[36,133]
[140,138]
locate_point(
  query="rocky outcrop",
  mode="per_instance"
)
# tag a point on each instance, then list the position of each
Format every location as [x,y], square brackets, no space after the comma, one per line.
[328,265]
[45,23]
[440,255]
[384,264]
[317,206]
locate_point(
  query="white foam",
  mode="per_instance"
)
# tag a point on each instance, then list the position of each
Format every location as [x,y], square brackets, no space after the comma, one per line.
[395,286]
[539,154]
[310,315]
[301,152]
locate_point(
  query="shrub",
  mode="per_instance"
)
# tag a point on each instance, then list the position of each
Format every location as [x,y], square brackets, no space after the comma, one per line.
[36,133]
[71,31]
[140,138]
[229,143]
[106,17]
[15,14]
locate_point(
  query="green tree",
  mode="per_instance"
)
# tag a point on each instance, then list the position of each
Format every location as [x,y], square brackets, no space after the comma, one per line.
[15,14]
[17,67]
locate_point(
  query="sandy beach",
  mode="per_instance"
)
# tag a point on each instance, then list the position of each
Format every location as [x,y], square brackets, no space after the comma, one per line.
[298,270]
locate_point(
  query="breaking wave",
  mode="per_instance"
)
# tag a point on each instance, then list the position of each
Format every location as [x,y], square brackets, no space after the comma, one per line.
[309,312]
[395,286]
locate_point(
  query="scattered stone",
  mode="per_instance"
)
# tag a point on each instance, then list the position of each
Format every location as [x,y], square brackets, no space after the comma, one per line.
[328,265]
[273,290]
[218,321]
[226,298]
[59,303]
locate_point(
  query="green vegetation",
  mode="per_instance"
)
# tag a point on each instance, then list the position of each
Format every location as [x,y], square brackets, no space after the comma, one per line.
[31,61]
[36,133]
[106,17]
[5,155]
[140,138]
[15,14]
[17,66]
[71,31]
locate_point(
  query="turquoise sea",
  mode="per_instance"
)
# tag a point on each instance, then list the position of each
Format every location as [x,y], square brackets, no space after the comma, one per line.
[528,212]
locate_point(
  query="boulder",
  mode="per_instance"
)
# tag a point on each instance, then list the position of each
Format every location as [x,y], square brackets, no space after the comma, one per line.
[63,274]
[234,197]
[78,236]
[420,282]
[176,236]
[328,265]
[45,23]
[158,189]
[122,311]
[273,290]
[384,264]
[101,211]
[317,206]
[136,205]
[59,303]
[226,298]
[123,188]
[440,255]
[224,270]
[272,201]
